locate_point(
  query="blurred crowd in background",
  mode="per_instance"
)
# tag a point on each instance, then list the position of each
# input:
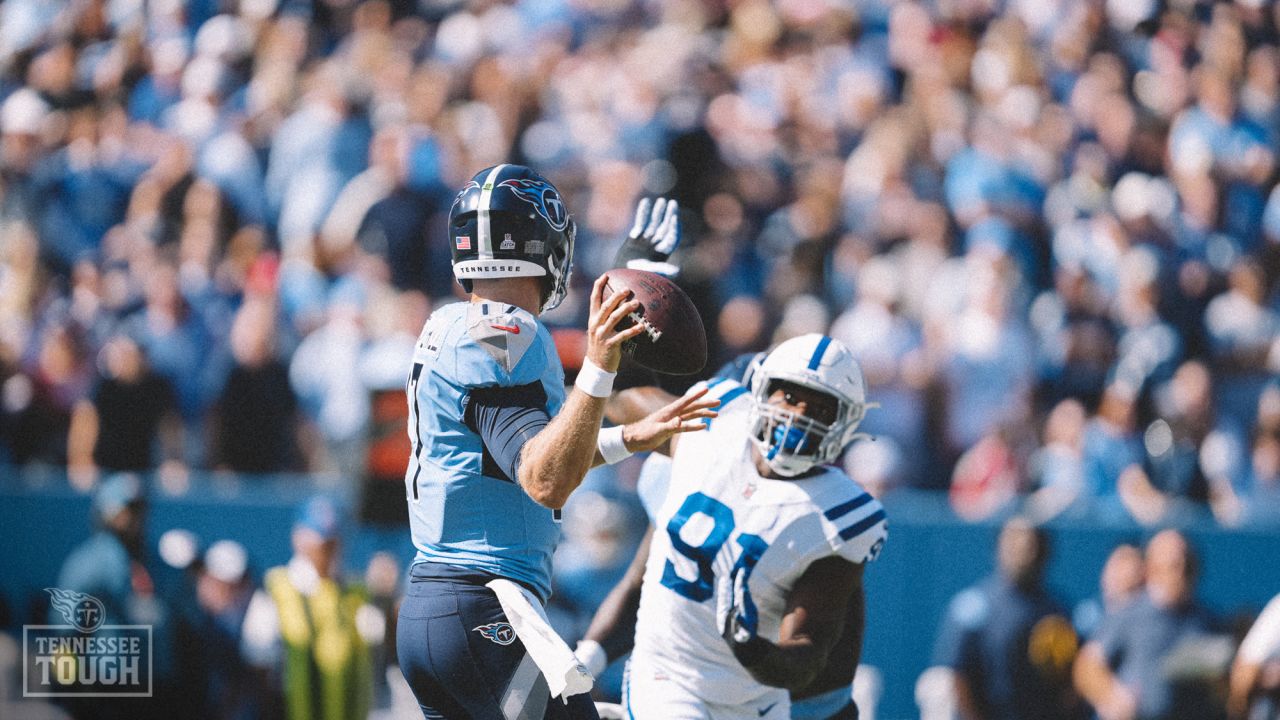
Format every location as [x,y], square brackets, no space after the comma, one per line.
[1048,229]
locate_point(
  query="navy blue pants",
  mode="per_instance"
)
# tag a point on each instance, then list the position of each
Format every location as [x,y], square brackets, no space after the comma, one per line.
[462,659]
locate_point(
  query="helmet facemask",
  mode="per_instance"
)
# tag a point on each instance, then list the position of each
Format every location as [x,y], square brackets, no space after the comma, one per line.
[792,443]
[559,270]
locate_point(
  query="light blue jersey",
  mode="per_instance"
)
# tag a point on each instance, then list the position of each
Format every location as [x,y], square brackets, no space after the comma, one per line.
[463,511]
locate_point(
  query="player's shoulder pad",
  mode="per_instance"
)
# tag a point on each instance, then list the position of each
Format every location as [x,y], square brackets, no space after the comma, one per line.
[858,525]
[434,336]
[505,332]
[730,393]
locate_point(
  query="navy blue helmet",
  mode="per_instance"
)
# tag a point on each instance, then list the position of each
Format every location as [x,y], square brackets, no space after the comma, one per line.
[508,221]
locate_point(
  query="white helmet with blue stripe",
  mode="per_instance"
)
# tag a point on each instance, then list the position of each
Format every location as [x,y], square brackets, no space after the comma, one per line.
[792,443]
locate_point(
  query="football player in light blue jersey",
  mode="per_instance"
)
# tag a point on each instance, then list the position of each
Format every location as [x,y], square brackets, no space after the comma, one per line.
[498,447]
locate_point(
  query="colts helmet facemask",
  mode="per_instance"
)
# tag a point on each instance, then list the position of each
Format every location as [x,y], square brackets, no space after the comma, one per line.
[508,221]
[792,443]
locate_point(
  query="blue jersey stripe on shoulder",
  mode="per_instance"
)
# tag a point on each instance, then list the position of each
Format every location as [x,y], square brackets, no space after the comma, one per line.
[862,525]
[715,381]
[845,508]
[816,360]
[725,399]
[732,395]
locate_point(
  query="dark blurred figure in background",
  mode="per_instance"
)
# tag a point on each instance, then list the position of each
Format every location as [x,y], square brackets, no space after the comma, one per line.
[311,632]
[117,427]
[1007,642]
[256,419]
[114,567]
[40,395]
[392,698]
[1124,671]
[223,590]
[1119,584]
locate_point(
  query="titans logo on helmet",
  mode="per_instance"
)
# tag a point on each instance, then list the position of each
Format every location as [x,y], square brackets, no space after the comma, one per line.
[544,198]
[501,633]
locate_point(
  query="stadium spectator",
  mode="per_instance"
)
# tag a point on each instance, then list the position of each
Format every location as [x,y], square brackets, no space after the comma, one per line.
[1006,640]
[113,566]
[391,694]
[118,426]
[1111,448]
[1122,671]
[1056,468]
[256,423]
[1074,175]
[1262,502]
[1120,582]
[227,686]
[1189,455]
[41,394]
[309,630]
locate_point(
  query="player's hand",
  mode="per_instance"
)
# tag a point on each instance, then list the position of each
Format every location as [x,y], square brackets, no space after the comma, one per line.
[683,415]
[604,340]
[654,235]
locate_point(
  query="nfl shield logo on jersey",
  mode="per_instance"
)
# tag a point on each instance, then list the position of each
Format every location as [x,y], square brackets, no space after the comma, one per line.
[501,633]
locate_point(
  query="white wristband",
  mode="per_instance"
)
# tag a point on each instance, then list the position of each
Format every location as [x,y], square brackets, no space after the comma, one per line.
[592,656]
[594,380]
[611,446]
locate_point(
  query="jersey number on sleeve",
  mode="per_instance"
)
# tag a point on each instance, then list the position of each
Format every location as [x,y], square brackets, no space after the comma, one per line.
[702,588]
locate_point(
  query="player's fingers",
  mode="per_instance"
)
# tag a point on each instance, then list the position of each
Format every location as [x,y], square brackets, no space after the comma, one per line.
[690,426]
[699,414]
[597,293]
[655,218]
[618,313]
[688,403]
[692,410]
[680,403]
[624,335]
[606,310]
[709,404]
[642,214]
[669,233]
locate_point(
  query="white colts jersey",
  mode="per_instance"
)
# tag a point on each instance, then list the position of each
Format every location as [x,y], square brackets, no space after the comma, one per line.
[719,514]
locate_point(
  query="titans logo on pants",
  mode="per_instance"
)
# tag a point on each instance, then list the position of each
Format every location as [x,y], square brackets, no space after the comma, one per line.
[500,633]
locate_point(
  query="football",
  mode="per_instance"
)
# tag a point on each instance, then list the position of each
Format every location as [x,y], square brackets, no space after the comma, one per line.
[674,341]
